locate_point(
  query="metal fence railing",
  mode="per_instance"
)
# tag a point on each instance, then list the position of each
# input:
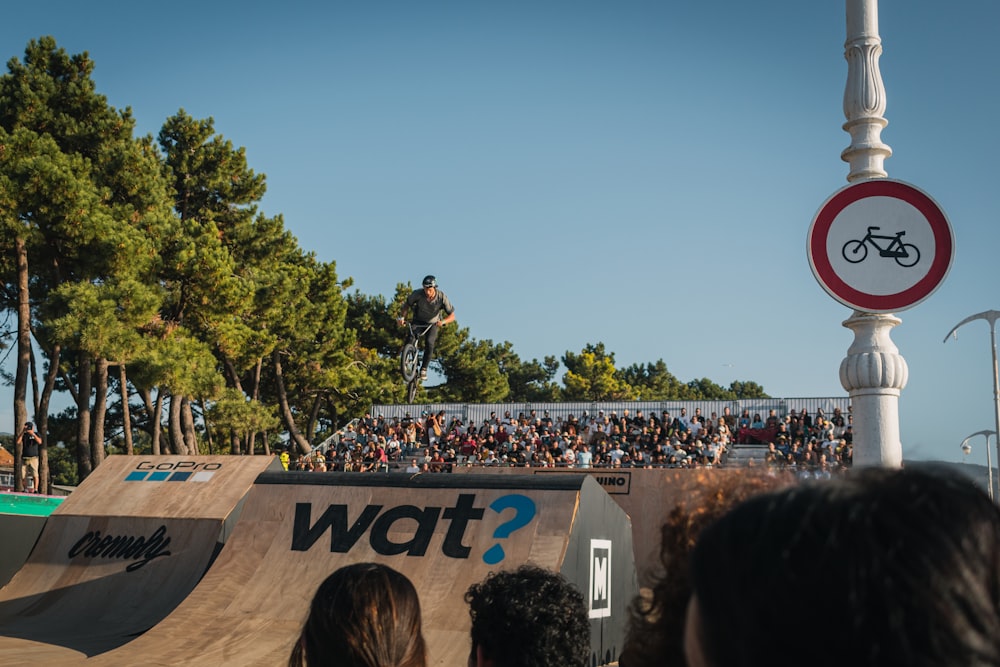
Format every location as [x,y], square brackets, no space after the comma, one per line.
[478,412]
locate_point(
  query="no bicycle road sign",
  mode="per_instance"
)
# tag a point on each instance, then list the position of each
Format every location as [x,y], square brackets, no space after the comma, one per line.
[880,246]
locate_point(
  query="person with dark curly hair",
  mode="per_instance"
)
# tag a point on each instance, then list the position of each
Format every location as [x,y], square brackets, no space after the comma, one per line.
[528,617]
[363,615]
[903,565]
[656,617]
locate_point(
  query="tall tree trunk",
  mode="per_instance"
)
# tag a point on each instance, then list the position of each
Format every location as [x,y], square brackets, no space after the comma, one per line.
[235,442]
[84,465]
[258,367]
[70,387]
[231,373]
[126,413]
[157,427]
[314,415]
[43,415]
[34,381]
[187,425]
[23,356]
[100,411]
[153,411]
[43,456]
[286,410]
[208,430]
[175,433]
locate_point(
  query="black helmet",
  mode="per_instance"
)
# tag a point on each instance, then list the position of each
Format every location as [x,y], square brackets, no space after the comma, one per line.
[430,281]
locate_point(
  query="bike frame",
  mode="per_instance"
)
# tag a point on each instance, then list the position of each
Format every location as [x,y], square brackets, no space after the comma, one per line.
[905,254]
[409,355]
[893,249]
[414,336]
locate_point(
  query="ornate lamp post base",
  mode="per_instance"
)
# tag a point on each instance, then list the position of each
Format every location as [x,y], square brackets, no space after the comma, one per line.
[874,373]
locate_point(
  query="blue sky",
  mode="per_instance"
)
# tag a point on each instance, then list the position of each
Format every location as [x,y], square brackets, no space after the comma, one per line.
[641,174]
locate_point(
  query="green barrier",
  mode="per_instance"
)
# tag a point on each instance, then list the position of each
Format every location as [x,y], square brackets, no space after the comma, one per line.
[22,517]
[30,505]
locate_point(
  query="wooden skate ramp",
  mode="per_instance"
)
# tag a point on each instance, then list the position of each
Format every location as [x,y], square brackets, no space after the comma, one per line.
[647,495]
[444,532]
[22,517]
[120,553]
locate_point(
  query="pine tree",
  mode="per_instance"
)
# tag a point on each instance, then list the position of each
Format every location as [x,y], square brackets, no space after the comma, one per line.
[91,210]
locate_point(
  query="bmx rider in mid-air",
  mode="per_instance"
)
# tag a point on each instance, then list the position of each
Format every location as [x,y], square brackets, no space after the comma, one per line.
[427,304]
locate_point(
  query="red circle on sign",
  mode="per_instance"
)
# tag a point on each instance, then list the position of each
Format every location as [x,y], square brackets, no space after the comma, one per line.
[838,288]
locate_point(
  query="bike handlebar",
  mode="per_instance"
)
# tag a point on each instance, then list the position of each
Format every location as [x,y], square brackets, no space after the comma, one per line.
[419,330]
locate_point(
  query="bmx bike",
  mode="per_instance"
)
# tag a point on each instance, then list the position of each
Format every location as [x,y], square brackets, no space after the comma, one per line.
[409,358]
[905,254]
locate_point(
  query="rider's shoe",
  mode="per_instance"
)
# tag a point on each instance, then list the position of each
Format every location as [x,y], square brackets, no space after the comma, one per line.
[423,373]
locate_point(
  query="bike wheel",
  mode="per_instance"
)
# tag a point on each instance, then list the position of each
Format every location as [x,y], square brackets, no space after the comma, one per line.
[408,358]
[912,255]
[855,251]
[411,390]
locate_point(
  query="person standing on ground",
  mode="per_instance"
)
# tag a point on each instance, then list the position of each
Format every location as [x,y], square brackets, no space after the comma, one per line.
[29,455]
[427,305]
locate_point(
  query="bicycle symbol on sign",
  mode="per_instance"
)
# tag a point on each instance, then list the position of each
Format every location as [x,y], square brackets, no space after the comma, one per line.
[905,254]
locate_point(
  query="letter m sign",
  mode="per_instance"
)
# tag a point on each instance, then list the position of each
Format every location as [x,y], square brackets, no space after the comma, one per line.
[600,578]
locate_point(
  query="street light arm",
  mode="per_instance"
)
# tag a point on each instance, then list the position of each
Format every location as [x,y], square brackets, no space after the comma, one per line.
[989,315]
[967,448]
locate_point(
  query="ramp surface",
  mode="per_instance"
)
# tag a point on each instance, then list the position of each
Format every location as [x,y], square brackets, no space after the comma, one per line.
[647,495]
[120,553]
[444,532]
[22,517]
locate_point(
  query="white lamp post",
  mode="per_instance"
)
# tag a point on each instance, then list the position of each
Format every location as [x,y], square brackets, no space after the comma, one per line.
[990,316]
[966,448]
[873,373]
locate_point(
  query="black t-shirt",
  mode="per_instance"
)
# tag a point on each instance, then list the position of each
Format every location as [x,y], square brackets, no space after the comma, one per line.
[29,444]
[427,311]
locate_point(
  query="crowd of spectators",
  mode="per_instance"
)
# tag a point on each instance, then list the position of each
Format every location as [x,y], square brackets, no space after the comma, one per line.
[812,445]
[435,442]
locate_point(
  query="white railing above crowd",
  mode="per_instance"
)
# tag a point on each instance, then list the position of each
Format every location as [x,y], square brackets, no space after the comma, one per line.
[476,413]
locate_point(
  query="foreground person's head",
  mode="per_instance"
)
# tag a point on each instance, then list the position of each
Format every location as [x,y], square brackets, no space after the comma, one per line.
[880,567]
[528,617]
[656,623]
[363,615]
